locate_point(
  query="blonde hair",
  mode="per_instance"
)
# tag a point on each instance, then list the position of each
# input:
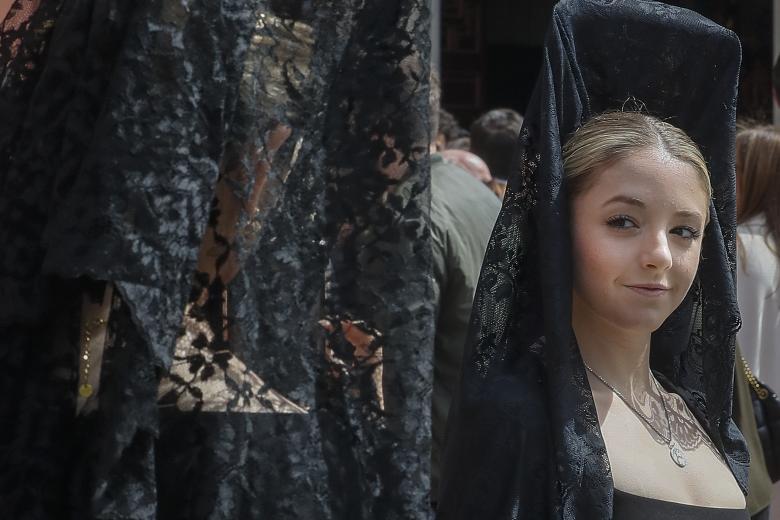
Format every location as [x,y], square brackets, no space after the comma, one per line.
[612,136]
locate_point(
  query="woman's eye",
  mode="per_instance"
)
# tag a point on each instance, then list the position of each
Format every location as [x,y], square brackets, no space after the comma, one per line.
[621,222]
[686,232]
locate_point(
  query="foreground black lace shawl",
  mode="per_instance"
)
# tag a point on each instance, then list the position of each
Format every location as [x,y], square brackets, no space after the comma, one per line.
[295,386]
[524,440]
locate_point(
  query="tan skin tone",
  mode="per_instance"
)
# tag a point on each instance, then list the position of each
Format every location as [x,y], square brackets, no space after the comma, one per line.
[231,208]
[637,242]
[5,6]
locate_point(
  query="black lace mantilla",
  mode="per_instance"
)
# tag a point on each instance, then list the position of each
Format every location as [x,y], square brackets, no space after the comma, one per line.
[252,179]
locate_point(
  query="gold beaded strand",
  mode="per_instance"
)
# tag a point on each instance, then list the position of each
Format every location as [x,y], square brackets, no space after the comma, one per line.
[85,388]
[761,392]
[92,343]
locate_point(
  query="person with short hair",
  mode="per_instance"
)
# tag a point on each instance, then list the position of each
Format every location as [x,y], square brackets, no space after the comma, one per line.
[449,130]
[494,138]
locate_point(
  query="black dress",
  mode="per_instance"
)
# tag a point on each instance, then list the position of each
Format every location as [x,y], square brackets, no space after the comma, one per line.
[632,507]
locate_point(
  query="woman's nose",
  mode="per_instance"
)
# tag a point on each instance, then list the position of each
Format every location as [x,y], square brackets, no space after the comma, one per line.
[656,253]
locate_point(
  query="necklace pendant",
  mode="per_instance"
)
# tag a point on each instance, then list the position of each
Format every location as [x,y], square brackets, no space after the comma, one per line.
[677,454]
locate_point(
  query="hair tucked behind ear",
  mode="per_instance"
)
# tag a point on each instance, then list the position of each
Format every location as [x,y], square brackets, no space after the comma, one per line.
[611,136]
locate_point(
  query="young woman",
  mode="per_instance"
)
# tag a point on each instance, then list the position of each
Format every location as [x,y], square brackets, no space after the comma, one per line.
[598,375]
[639,195]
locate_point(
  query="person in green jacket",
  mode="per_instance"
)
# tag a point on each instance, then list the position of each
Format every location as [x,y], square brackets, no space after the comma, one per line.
[463,211]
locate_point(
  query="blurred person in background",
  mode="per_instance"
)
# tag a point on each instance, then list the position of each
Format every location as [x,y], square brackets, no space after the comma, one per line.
[469,162]
[494,138]
[478,168]
[462,216]
[758,276]
[758,261]
[461,143]
[449,130]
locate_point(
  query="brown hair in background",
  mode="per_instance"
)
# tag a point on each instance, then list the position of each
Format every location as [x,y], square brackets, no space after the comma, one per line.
[758,183]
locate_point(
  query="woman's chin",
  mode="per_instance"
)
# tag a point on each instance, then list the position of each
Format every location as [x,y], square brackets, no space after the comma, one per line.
[644,323]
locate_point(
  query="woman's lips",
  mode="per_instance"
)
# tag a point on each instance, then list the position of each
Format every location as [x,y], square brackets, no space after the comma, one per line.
[651,290]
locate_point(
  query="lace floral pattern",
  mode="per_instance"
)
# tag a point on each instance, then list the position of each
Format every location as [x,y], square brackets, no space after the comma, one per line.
[205,375]
[22,41]
[252,179]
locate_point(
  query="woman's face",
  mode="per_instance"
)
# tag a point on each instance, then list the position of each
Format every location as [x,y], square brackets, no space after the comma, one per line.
[636,234]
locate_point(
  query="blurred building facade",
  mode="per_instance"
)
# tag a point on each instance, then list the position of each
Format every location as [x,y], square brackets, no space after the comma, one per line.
[490,51]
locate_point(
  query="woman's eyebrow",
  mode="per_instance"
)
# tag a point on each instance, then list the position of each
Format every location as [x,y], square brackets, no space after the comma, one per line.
[634,201]
[688,213]
[626,200]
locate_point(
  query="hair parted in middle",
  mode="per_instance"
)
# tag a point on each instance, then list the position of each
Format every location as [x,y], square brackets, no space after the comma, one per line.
[612,136]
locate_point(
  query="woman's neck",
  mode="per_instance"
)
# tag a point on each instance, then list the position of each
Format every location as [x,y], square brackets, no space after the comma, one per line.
[621,357]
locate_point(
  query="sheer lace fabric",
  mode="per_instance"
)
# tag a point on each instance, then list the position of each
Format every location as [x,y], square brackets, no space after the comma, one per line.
[252,178]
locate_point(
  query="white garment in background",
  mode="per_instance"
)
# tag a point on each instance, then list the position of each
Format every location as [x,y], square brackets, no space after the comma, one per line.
[758,280]
[758,284]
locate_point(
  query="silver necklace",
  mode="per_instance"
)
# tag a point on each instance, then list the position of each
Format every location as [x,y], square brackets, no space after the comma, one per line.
[675,451]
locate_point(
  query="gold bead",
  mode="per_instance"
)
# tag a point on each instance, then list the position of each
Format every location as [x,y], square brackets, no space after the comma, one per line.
[85,390]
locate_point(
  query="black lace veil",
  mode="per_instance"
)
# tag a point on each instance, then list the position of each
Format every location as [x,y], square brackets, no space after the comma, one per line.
[524,439]
[293,382]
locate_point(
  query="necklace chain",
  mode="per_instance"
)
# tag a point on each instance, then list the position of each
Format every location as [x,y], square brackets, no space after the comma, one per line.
[636,410]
